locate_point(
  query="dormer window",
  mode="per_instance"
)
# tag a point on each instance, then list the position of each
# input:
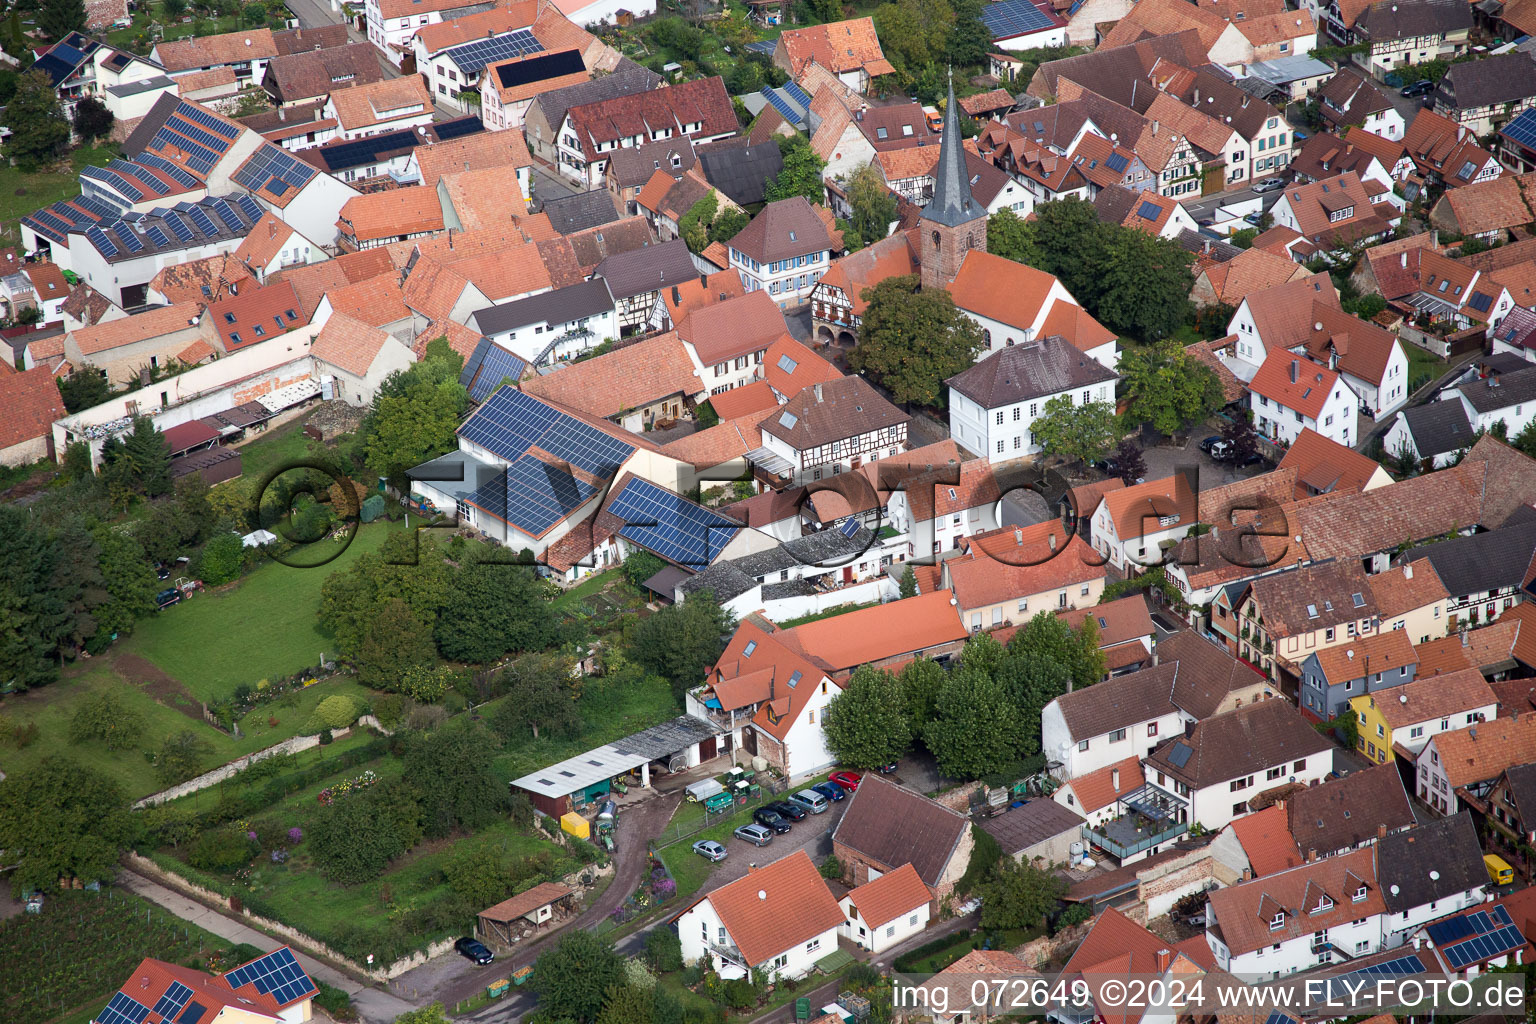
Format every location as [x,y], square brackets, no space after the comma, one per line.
[1344,214]
[1277,922]
[1358,896]
[1323,903]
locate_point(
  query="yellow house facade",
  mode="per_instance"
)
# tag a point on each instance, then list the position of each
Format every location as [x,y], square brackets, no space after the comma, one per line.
[1402,719]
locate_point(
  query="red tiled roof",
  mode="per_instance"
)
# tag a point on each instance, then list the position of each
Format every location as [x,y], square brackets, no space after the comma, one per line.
[1097,788]
[1266,839]
[890,896]
[255,314]
[31,402]
[349,344]
[1306,394]
[1326,465]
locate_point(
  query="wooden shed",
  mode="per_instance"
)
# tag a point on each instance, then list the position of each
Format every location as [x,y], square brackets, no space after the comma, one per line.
[536,906]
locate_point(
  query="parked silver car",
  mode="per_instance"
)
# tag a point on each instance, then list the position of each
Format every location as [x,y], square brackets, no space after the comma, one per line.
[1268,185]
[757,835]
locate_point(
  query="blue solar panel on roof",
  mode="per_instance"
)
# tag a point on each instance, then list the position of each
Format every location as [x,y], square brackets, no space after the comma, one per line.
[670,525]
[1452,929]
[277,186]
[192,1014]
[170,1004]
[123,1009]
[778,103]
[1117,162]
[1179,755]
[103,244]
[1013,18]
[214,142]
[95,206]
[473,56]
[207,120]
[1149,211]
[249,206]
[495,365]
[227,214]
[797,94]
[458,128]
[1480,302]
[1522,129]
[277,975]
[849,528]
[129,240]
[532,495]
[508,423]
[178,225]
[202,220]
[585,447]
[160,163]
[157,237]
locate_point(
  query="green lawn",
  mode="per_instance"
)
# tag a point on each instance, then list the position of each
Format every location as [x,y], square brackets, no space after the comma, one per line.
[1422,361]
[611,713]
[137,38]
[52,707]
[280,446]
[22,194]
[362,919]
[265,626]
[586,589]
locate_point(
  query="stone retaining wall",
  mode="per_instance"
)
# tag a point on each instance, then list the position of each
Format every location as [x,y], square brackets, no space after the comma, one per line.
[218,775]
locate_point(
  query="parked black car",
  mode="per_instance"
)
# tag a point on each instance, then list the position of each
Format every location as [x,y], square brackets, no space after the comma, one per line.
[770,819]
[786,809]
[474,949]
[1420,88]
[1209,444]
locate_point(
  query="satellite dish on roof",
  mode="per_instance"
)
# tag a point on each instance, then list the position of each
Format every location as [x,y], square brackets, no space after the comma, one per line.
[762,894]
[1434,876]
[1394,889]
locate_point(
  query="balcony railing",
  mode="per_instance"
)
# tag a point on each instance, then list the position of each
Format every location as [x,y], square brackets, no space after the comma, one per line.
[1133,833]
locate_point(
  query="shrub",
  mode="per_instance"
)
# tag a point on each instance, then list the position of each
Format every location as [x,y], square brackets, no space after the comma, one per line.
[335,712]
[325,737]
[739,994]
[103,718]
[831,867]
[334,1001]
[220,849]
[387,708]
[295,836]
[663,950]
[222,559]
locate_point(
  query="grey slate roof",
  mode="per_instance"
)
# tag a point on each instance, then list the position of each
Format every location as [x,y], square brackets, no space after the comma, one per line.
[1034,369]
[570,214]
[1400,19]
[1251,739]
[145,85]
[833,411]
[1492,80]
[1345,812]
[560,305]
[952,203]
[741,171]
[626,80]
[633,167]
[1446,847]
[1521,780]
[647,270]
[1502,391]
[138,139]
[1195,242]
[739,575]
[1483,561]
[1439,427]
[1034,823]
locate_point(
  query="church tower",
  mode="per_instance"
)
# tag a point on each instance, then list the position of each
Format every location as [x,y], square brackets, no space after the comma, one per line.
[953,223]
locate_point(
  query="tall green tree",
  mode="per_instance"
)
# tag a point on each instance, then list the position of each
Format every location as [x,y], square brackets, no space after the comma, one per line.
[693,228]
[39,129]
[1077,433]
[922,681]
[575,976]
[84,388]
[727,224]
[874,205]
[492,609]
[130,582]
[969,40]
[908,583]
[801,173]
[1167,387]
[911,340]
[416,413]
[453,766]
[976,726]
[92,119]
[1067,238]
[36,602]
[682,641]
[1012,237]
[1525,441]
[1076,650]
[140,461]
[540,699]
[407,567]
[1142,283]
[1019,895]
[914,33]
[102,719]
[867,724]
[396,643]
[60,820]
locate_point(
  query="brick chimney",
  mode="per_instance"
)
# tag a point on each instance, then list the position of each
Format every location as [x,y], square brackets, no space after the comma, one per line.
[1381,831]
[1114,779]
[1311,856]
[1295,369]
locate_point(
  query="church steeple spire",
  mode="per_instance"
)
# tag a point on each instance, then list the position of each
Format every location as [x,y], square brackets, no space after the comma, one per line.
[952,203]
[953,223]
